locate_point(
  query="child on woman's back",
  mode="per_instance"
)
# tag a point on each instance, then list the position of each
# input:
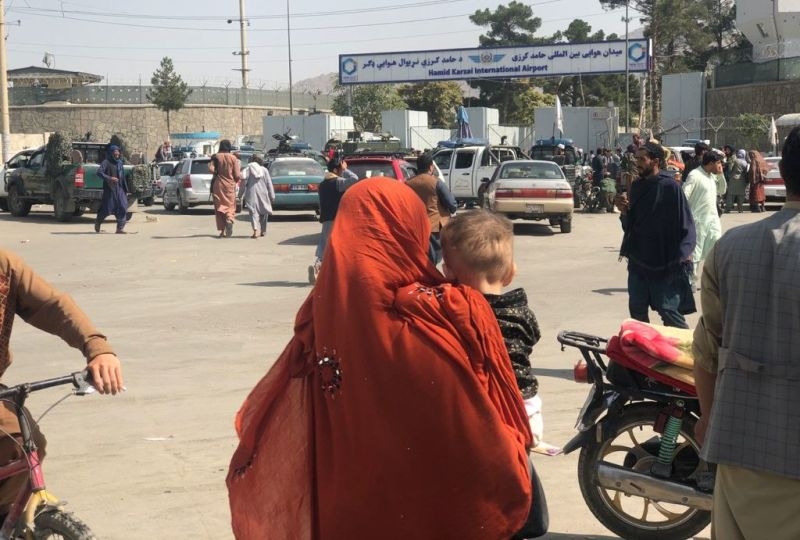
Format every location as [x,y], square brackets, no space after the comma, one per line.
[478,250]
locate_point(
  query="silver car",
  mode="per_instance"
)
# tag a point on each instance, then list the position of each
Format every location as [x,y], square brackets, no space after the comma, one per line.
[190,185]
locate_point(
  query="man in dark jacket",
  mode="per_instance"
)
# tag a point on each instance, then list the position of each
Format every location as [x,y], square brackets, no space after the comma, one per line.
[438,200]
[115,190]
[658,242]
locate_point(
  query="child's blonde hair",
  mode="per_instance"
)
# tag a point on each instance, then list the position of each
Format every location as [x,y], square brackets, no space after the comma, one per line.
[481,241]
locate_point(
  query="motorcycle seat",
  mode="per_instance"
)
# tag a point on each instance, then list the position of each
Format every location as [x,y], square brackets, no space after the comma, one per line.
[668,377]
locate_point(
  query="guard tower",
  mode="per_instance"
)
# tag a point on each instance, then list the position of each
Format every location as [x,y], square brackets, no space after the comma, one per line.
[773,27]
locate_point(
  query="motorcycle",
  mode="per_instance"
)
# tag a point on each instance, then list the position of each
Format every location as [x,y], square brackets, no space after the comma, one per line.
[639,470]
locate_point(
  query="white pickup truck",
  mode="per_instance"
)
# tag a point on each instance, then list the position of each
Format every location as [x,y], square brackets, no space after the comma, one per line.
[464,166]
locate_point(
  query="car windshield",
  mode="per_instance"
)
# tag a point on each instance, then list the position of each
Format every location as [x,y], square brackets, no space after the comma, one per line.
[525,170]
[295,167]
[366,169]
[200,167]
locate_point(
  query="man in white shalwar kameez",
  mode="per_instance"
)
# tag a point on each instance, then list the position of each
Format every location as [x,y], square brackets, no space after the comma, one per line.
[700,188]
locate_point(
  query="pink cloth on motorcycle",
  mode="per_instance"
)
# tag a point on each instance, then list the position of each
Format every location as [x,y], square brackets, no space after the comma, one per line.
[660,352]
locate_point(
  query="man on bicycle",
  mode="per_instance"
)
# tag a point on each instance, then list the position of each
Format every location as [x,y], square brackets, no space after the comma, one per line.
[24,293]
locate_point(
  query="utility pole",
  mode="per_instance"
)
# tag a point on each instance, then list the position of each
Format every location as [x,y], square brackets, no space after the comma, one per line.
[627,76]
[289,42]
[5,124]
[243,52]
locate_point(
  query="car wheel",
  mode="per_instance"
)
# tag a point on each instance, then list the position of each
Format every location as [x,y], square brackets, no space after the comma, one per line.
[165,201]
[18,206]
[183,208]
[566,225]
[4,204]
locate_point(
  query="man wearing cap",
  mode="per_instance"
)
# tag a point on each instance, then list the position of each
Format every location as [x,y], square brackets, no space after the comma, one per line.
[658,241]
[558,155]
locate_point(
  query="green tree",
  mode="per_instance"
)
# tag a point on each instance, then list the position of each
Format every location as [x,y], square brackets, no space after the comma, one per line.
[367,102]
[168,91]
[753,127]
[438,99]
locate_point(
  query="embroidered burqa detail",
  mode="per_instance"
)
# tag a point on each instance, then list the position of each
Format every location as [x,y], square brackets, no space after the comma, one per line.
[393,412]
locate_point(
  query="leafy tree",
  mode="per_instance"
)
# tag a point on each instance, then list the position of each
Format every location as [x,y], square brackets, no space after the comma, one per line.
[168,92]
[438,99]
[367,102]
[753,127]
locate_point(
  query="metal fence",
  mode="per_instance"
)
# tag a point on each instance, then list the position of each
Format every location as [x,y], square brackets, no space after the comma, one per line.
[784,69]
[201,95]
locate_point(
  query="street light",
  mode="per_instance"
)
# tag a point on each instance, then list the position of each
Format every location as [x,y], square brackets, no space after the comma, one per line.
[243,52]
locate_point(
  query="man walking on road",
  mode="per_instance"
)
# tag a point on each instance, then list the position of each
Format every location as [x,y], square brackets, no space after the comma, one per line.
[747,370]
[115,190]
[658,242]
[438,200]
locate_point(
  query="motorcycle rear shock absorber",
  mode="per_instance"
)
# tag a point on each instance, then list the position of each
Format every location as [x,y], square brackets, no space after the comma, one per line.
[669,437]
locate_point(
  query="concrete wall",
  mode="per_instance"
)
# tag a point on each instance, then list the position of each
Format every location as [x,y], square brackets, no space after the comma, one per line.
[22,141]
[316,129]
[771,99]
[588,127]
[143,126]
[682,103]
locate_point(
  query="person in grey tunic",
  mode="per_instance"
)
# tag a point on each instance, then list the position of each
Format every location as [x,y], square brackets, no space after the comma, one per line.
[259,194]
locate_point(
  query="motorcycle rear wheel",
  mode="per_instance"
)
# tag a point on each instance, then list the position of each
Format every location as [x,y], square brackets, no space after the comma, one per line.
[625,446]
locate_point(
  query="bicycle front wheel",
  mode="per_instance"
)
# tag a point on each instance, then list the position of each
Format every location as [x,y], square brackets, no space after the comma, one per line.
[54,524]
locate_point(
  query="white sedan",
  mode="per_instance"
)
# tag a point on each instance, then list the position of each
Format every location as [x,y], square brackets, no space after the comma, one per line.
[531,190]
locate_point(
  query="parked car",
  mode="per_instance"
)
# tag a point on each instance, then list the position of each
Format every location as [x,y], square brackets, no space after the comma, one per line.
[161,173]
[190,185]
[296,182]
[775,187]
[531,190]
[371,164]
[772,162]
[19,160]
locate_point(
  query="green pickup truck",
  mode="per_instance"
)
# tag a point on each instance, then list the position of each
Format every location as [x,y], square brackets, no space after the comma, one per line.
[75,189]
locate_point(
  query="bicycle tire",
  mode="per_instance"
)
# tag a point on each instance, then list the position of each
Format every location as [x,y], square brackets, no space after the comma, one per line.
[54,523]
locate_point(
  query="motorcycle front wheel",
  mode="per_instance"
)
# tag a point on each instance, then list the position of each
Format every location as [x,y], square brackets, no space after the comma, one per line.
[633,443]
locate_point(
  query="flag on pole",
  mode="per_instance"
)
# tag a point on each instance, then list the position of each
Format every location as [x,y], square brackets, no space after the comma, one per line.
[773,133]
[559,118]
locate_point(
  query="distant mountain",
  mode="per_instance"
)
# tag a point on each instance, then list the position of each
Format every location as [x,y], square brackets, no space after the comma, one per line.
[325,83]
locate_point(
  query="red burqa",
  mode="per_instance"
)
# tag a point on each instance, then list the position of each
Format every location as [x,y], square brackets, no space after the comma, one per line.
[393,413]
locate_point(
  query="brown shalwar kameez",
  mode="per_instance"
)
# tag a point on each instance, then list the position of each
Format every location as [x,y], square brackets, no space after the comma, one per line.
[226,169]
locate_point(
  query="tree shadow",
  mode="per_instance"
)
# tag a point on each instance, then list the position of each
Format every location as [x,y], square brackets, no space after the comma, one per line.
[280,283]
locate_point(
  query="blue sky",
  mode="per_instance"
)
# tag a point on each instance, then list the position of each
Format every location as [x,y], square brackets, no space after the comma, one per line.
[127,42]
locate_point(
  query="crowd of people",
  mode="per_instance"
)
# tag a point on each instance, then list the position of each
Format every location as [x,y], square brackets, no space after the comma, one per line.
[442,357]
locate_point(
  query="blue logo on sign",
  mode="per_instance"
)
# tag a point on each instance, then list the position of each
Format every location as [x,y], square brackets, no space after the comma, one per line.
[486,58]
[349,66]
[636,52]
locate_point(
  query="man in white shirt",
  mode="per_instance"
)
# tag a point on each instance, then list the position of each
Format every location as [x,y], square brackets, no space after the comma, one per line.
[701,188]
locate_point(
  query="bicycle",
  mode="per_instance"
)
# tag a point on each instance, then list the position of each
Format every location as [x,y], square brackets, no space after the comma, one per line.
[36,514]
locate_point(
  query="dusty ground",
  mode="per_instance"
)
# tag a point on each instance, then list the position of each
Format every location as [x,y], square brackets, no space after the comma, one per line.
[198,320]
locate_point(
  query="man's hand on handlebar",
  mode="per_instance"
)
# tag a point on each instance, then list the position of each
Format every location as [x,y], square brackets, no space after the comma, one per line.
[106,373]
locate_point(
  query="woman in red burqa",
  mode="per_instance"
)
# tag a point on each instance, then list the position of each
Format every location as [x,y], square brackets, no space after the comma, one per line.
[393,413]
[757,177]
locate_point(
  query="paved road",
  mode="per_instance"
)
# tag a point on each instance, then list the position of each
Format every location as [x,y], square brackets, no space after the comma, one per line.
[197,320]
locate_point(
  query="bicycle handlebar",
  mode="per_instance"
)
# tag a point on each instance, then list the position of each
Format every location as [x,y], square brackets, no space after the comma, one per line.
[79,380]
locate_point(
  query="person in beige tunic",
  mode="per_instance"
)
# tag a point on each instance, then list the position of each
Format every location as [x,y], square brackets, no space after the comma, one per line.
[226,169]
[24,293]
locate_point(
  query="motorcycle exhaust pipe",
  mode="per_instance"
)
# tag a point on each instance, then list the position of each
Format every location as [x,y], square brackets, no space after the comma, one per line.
[643,485]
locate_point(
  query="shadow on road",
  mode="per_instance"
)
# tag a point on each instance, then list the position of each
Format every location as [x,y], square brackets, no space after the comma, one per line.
[576,536]
[558,373]
[191,236]
[293,284]
[45,217]
[609,292]
[533,229]
[304,240]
